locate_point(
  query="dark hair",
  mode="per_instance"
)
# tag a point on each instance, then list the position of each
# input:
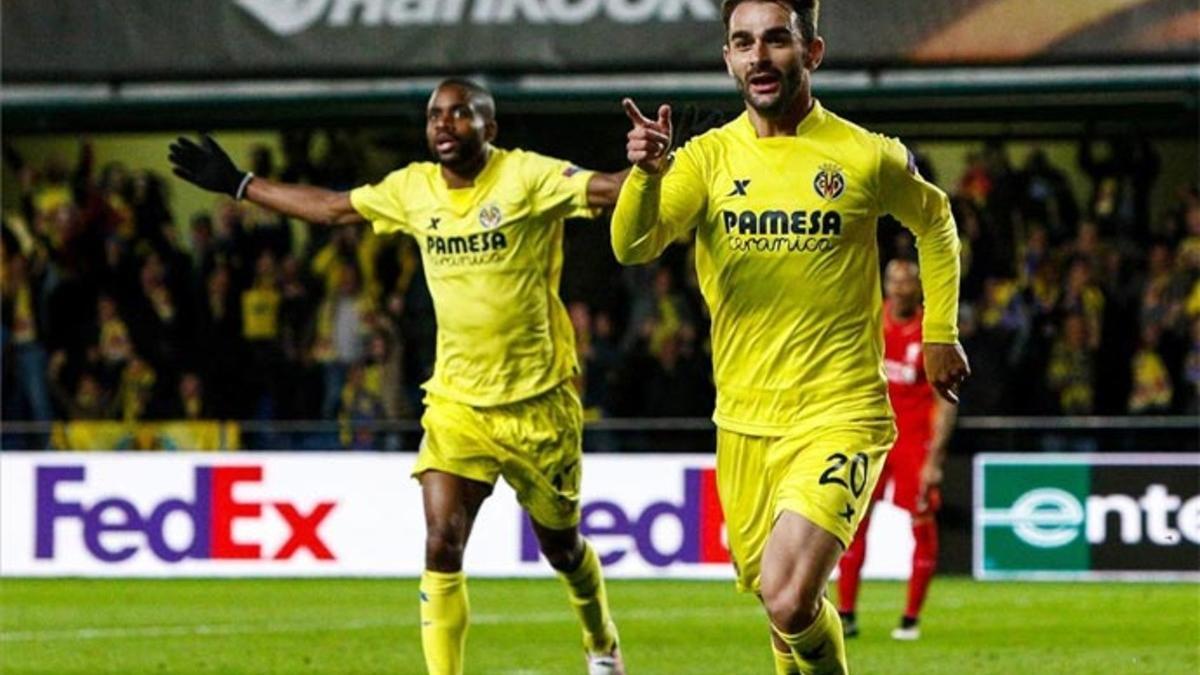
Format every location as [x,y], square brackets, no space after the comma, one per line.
[807,13]
[478,93]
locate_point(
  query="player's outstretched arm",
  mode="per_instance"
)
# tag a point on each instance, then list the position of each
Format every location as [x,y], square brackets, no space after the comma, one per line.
[660,198]
[603,188]
[207,166]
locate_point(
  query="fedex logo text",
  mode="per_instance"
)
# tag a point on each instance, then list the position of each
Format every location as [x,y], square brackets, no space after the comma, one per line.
[212,513]
[699,517]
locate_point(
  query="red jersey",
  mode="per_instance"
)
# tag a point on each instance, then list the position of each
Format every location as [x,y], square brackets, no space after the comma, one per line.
[908,389]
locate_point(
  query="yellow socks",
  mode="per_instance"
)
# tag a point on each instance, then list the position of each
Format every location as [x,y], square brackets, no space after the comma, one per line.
[444,612]
[585,586]
[819,649]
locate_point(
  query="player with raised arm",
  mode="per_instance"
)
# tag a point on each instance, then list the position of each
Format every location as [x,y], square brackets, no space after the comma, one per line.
[489,223]
[784,202]
[924,423]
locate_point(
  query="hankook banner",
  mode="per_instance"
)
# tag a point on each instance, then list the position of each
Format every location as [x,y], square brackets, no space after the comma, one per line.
[77,40]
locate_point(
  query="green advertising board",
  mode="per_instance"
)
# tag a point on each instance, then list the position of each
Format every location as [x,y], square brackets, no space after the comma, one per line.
[1087,516]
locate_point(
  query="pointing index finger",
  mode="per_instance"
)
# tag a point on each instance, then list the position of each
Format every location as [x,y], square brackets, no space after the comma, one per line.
[632,112]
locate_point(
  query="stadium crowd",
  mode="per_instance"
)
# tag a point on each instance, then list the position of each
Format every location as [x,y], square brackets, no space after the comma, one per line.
[1071,304]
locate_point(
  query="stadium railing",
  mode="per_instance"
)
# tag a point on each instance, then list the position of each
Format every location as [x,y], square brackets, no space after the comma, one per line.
[1165,433]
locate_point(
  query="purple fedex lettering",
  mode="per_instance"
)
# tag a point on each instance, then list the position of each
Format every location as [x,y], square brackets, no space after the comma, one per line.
[49,508]
[124,518]
[198,512]
[699,518]
[95,524]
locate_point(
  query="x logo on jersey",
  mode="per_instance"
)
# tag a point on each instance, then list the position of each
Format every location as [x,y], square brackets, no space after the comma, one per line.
[433,223]
[739,188]
[848,513]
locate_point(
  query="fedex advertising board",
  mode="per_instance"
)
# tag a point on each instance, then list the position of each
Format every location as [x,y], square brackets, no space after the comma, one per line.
[348,514]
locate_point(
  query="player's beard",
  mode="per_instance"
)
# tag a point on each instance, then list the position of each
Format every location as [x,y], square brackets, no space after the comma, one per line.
[772,105]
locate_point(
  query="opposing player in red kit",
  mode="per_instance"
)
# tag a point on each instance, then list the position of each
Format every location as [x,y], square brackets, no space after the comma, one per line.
[914,465]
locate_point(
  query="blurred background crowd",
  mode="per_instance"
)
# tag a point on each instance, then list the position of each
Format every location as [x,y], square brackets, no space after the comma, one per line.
[116,306]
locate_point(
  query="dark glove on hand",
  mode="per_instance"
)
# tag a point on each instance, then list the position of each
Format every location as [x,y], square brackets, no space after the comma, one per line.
[207,166]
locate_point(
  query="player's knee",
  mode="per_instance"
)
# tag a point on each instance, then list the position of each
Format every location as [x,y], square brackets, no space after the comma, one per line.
[562,555]
[793,607]
[444,548]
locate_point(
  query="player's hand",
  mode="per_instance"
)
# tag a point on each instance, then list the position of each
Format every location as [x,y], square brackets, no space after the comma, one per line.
[649,144]
[946,367]
[206,166]
[929,480]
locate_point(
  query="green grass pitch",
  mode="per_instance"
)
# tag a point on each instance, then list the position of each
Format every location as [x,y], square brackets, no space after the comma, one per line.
[523,627]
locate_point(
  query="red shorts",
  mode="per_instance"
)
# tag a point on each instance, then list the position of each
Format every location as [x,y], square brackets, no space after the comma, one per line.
[903,471]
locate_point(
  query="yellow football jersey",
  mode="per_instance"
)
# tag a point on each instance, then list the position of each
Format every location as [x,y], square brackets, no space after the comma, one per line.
[788,263]
[492,254]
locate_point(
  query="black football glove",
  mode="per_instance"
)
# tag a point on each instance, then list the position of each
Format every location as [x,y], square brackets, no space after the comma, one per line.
[208,167]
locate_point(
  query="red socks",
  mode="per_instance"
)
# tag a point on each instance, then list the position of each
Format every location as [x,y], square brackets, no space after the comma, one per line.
[924,562]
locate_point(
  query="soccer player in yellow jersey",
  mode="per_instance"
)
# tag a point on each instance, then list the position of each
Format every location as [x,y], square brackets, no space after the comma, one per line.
[490,226]
[783,201]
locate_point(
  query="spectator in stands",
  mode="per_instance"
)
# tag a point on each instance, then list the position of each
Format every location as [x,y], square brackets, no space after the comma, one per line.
[976,253]
[603,362]
[219,339]
[976,183]
[581,323]
[1082,298]
[135,390]
[362,406]
[157,324]
[87,400]
[679,384]
[21,335]
[260,330]
[1046,198]
[1191,398]
[664,310]
[1072,370]
[1183,218]
[114,345]
[189,402]
[300,379]
[1122,178]
[385,364]
[1152,389]
[341,331]
[203,251]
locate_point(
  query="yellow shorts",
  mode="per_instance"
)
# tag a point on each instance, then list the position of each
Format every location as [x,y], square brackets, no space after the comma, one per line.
[536,444]
[826,475]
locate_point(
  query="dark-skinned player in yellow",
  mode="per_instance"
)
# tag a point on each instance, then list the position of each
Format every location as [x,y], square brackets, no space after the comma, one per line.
[784,202]
[500,402]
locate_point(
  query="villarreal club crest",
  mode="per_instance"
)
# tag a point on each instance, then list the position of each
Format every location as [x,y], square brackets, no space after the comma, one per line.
[829,182]
[490,216]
